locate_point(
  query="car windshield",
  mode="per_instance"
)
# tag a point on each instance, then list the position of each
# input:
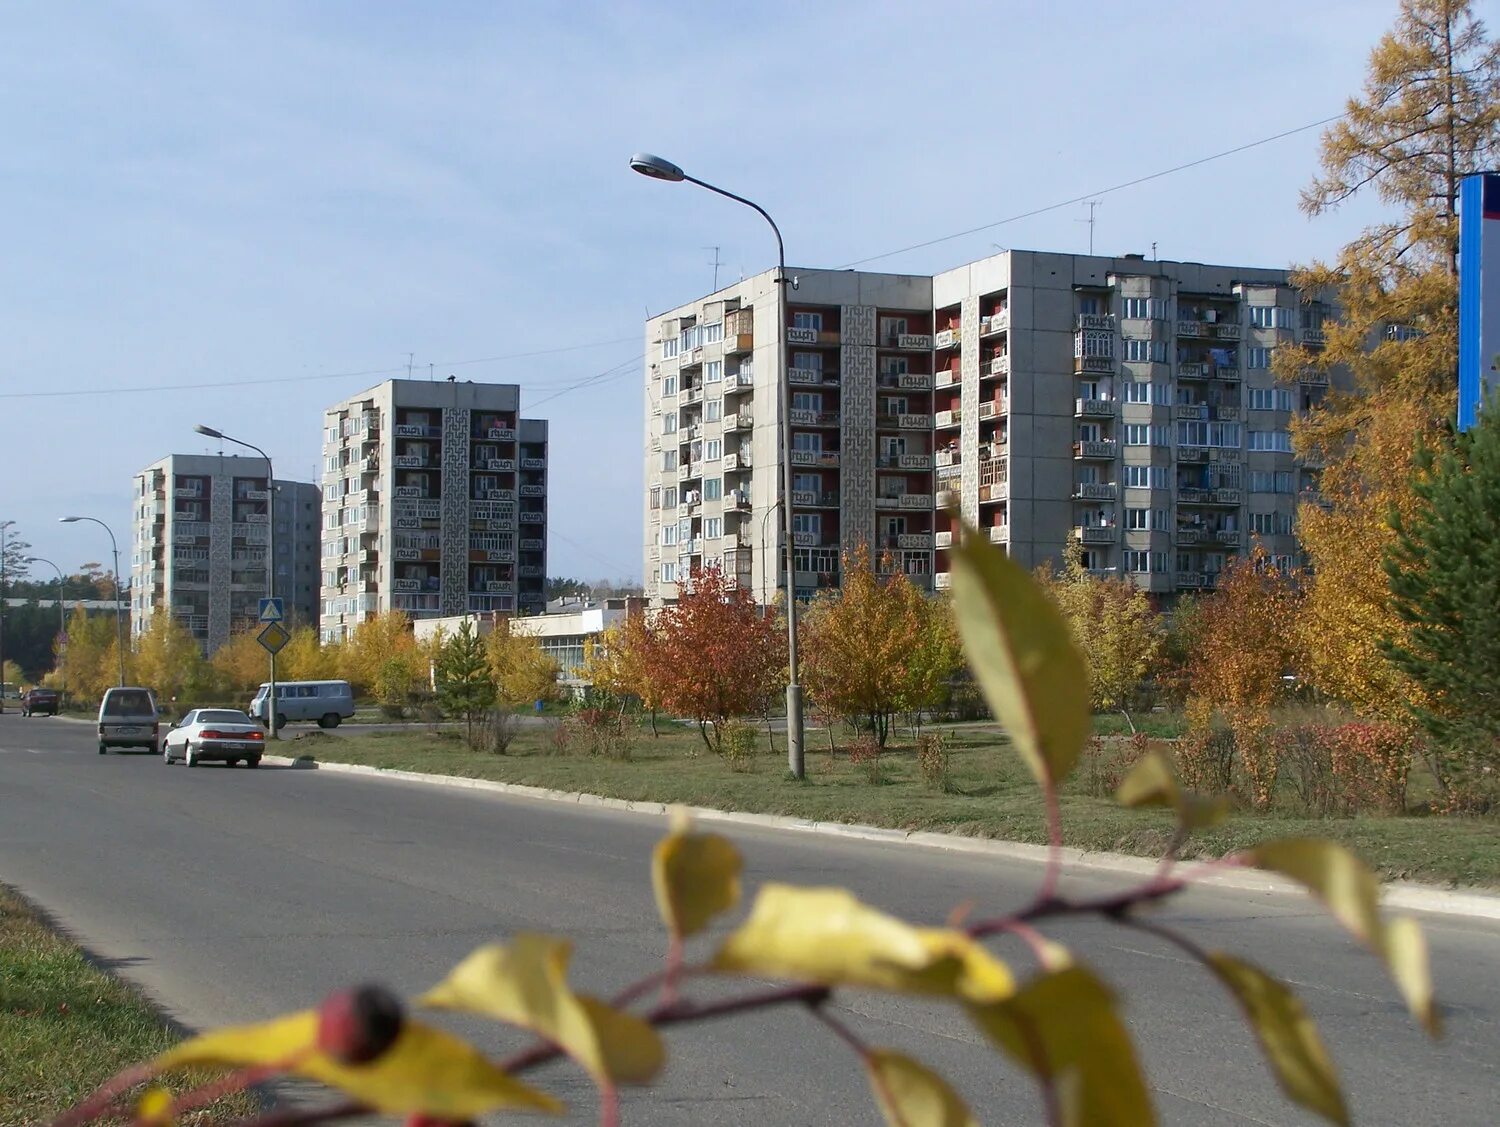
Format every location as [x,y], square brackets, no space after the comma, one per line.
[135,702]
[222,716]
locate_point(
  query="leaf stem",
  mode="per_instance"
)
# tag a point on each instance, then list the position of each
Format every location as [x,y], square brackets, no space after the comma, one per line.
[1048,890]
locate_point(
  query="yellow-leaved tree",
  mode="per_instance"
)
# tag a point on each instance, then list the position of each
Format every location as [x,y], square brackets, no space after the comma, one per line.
[621,663]
[168,660]
[522,670]
[241,664]
[304,658]
[1428,116]
[89,664]
[382,659]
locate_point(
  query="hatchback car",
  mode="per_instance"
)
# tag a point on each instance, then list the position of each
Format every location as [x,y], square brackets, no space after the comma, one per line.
[40,702]
[214,733]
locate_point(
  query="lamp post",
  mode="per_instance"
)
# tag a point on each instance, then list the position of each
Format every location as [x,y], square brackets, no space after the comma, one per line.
[270,556]
[660,169]
[62,617]
[119,606]
[5,526]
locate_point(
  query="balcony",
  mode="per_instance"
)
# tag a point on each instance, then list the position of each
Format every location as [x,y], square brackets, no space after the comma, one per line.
[802,417]
[811,377]
[1313,379]
[815,457]
[1197,370]
[993,408]
[888,420]
[908,541]
[1228,537]
[1195,328]
[188,492]
[499,465]
[415,430]
[998,533]
[733,462]
[918,342]
[948,418]
[1189,536]
[1097,534]
[996,322]
[1192,579]
[738,342]
[739,420]
[533,517]
[1093,365]
[1226,414]
[1095,449]
[1094,408]
[998,366]
[942,539]
[1192,454]
[1095,491]
[811,336]
[736,500]
[904,381]
[947,458]
[942,580]
[948,338]
[1095,322]
[905,501]
[741,381]
[532,545]
[1227,496]
[410,462]
[1190,411]
[1314,338]
[501,434]
[1227,330]
[947,377]
[1192,495]
[692,395]
[533,491]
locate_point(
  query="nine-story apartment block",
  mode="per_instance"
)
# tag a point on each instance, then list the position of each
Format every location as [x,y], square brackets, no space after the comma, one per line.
[434,503]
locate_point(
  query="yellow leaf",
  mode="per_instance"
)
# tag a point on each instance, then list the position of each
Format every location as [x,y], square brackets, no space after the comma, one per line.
[526,984]
[912,1095]
[1018,645]
[1151,782]
[426,1071]
[825,935]
[1406,954]
[1063,1029]
[154,1108]
[695,875]
[1287,1035]
[1339,879]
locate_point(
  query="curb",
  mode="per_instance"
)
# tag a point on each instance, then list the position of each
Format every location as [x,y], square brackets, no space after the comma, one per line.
[1406,895]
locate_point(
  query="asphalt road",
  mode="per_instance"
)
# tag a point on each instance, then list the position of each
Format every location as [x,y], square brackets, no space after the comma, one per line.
[234,895]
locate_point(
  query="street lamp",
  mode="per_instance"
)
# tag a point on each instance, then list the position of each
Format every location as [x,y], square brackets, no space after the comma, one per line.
[62,615]
[119,606]
[270,555]
[658,168]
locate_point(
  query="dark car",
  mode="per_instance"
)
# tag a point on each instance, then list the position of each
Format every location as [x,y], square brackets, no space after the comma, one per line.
[38,701]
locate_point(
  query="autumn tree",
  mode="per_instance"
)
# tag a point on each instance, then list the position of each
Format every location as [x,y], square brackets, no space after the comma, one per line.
[89,664]
[382,659]
[241,663]
[1114,627]
[522,671]
[464,685]
[623,663]
[1444,572]
[168,659]
[717,655]
[1428,116]
[1243,650]
[873,648]
[305,658]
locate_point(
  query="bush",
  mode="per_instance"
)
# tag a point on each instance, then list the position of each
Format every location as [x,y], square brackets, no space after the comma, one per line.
[864,754]
[600,732]
[1205,760]
[1306,750]
[1373,764]
[496,731]
[932,760]
[1105,763]
[737,746]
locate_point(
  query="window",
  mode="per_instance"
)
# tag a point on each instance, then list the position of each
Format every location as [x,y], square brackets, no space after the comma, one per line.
[656,496]
[1270,317]
[1138,562]
[668,535]
[713,488]
[1146,350]
[892,327]
[1091,342]
[1090,306]
[669,573]
[1158,393]
[669,423]
[806,483]
[669,385]
[812,321]
[1145,477]
[1259,357]
[669,497]
[1140,308]
[668,348]
[1137,434]
[813,360]
[894,366]
[669,459]
[1270,398]
[808,441]
[713,410]
[713,370]
[807,401]
[809,523]
[1138,519]
[1277,440]
[713,333]
[713,528]
[712,450]
[1271,524]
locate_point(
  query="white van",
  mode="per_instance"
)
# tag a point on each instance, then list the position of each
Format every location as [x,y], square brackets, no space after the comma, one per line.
[128,718]
[327,702]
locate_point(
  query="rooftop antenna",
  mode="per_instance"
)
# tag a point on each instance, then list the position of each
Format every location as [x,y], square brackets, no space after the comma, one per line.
[1091,205]
[1153,250]
[430,376]
[715,264]
[410,356]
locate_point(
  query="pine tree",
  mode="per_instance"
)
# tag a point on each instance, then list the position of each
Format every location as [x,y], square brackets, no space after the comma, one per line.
[1428,116]
[464,685]
[1444,572]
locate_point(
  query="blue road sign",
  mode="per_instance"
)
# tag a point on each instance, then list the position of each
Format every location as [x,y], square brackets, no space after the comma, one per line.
[271,610]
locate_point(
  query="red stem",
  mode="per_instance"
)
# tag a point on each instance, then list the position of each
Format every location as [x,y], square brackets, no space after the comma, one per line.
[1048,889]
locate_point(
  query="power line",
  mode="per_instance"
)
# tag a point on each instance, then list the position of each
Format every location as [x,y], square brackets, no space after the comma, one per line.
[622,570]
[1086,196]
[306,379]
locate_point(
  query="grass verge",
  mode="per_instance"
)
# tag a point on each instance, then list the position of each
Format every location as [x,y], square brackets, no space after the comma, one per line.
[988,794]
[66,1026]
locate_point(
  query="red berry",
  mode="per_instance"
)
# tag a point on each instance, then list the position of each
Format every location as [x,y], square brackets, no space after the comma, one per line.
[356,1026]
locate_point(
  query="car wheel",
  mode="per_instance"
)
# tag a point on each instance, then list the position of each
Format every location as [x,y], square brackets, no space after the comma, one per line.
[166,753]
[101,749]
[280,721]
[253,761]
[192,759]
[331,720]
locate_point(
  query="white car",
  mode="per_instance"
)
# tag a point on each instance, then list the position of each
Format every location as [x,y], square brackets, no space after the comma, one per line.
[214,733]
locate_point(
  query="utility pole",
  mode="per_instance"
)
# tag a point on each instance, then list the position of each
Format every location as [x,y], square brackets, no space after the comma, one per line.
[4,527]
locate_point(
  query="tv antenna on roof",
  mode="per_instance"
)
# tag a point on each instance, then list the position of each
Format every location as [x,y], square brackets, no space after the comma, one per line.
[715,264]
[1091,205]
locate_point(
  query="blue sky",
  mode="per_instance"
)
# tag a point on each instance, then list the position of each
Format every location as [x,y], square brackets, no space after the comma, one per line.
[200,193]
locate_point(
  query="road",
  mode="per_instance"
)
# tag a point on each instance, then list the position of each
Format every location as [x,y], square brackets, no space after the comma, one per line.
[234,895]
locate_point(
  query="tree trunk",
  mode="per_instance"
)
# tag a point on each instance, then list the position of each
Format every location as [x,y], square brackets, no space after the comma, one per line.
[654,733]
[1128,721]
[703,731]
[770,735]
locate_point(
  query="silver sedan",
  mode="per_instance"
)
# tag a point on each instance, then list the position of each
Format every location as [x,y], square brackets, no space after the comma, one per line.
[214,733]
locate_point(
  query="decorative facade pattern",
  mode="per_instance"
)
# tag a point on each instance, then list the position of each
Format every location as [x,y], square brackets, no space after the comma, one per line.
[968,427]
[454,568]
[857,425]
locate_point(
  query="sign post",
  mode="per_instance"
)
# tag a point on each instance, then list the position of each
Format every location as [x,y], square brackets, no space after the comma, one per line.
[273,637]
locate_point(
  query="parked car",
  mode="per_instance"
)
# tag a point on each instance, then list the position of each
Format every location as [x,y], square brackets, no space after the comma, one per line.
[327,702]
[38,701]
[225,734]
[128,718]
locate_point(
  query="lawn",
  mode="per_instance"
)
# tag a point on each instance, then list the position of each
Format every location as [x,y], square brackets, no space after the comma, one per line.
[989,795]
[66,1026]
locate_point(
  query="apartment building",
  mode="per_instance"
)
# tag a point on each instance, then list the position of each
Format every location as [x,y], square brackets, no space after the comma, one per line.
[1116,406]
[200,534]
[434,503]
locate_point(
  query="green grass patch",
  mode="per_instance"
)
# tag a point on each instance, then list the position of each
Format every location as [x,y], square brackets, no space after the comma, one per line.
[66,1026]
[988,794]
